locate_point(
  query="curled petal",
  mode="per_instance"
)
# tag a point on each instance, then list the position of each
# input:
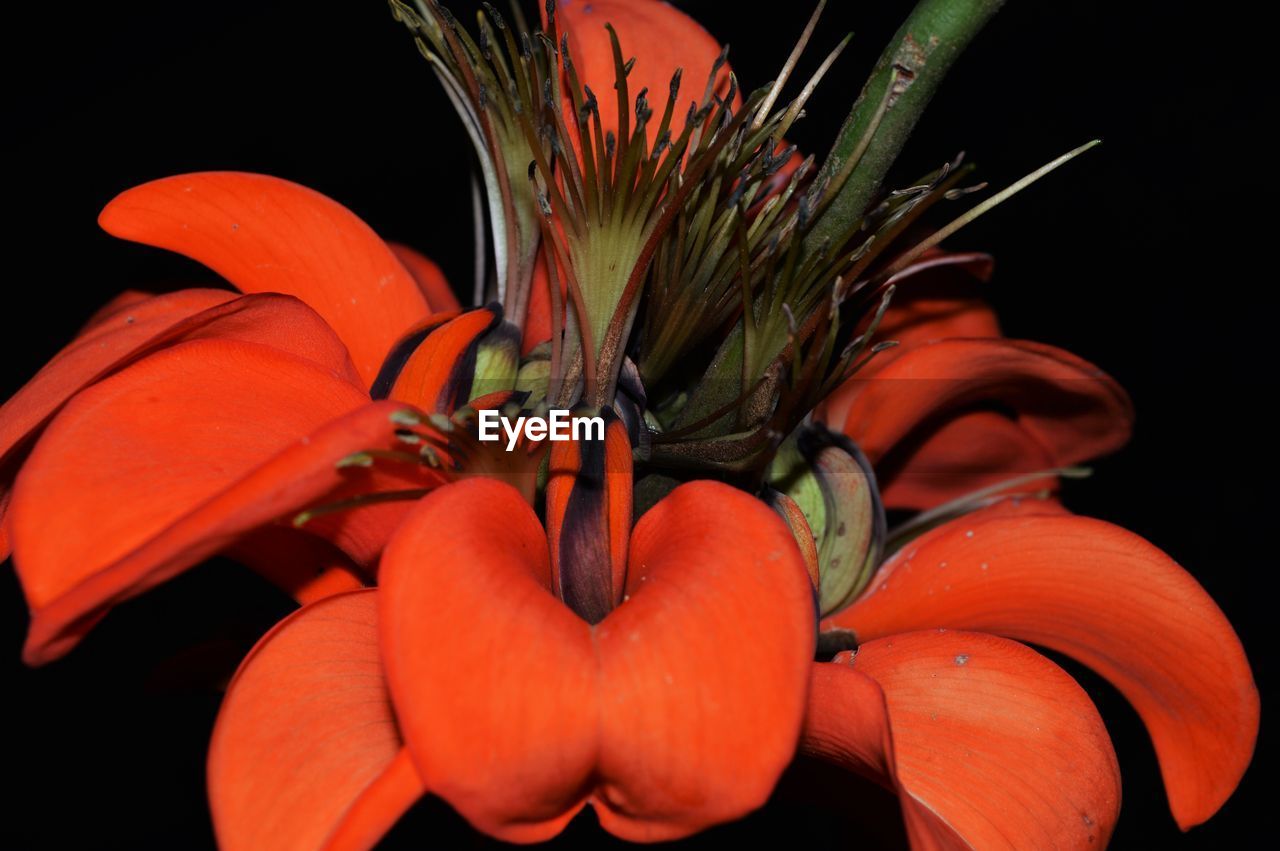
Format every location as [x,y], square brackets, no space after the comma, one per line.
[938,297]
[264,234]
[972,451]
[1067,405]
[310,702]
[433,366]
[169,461]
[677,711]
[1110,600]
[430,277]
[988,744]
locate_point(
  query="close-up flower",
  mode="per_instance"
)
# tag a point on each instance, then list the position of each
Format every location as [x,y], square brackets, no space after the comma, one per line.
[719,490]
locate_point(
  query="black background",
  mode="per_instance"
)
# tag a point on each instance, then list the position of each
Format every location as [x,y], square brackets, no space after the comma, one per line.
[1148,257]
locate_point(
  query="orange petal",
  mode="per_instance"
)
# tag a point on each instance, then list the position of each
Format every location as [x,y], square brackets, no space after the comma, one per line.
[938,297]
[123,301]
[971,451]
[264,234]
[126,334]
[306,754]
[1066,404]
[704,665]
[537,324]
[168,462]
[306,567]
[433,366]
[988,744]
[430,277]
[494,680]
[679,710]
[1110,600]
[589,519]
[101,347]
[659,36]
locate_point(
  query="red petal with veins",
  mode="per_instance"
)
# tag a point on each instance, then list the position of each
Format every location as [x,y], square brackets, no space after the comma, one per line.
[264,234]
[1065,404]
[169,461]
[1105,597]
[988,744]
[430,277]
[668,716]
[306,754]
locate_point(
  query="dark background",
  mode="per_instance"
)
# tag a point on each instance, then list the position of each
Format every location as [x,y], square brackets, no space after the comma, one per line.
[1147,257]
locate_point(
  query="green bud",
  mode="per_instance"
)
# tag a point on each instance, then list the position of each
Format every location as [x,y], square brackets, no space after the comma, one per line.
[497,361]
[833,484]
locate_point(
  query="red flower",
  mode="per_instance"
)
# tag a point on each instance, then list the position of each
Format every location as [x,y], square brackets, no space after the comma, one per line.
[664,671]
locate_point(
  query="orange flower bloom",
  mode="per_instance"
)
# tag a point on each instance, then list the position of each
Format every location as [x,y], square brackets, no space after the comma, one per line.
[654,624]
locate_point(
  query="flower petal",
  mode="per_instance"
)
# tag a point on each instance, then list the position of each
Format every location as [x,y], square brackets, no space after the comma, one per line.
[430,278]
[264,234]
[101,347]
[1066,404]
[121,302]
[659,36]
[305,566]
[433,366]
[493,678]
[124,335]
[588,500]
[669,715]
[1110,600]
[166,463]
[989,744]
[537,323]
[971,451]
[310,701]
[936,298]
[704,665]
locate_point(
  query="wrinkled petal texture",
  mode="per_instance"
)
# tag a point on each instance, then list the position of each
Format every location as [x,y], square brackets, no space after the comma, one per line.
[167,462]
[989,744]
[306,754]
[659,36]
[678,711]
[1105,597]
[264,234]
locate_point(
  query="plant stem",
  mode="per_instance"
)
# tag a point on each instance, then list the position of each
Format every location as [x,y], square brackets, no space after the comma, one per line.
[919,56]
[922,51]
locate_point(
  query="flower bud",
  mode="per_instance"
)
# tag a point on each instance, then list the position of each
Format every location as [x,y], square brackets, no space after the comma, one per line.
[832,484]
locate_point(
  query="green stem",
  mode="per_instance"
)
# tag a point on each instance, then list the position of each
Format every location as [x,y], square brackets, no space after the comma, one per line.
[919,56]
[923,50]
